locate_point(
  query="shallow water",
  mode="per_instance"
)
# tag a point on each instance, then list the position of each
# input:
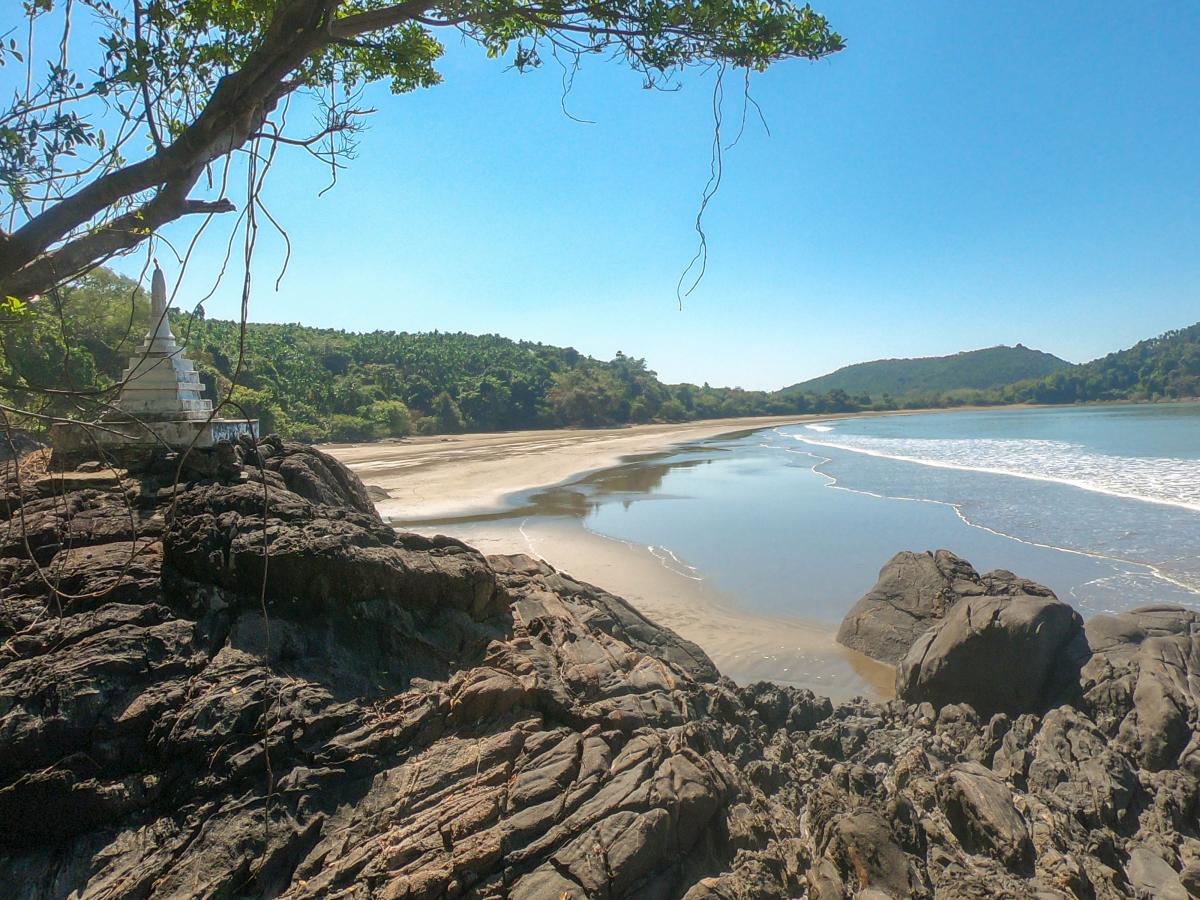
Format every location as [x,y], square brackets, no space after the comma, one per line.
[1102,504]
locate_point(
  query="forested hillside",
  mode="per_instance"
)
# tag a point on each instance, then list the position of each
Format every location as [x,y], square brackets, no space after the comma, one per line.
[928,377]
[1165,367]
[77,340]
[326,385]
[323,384]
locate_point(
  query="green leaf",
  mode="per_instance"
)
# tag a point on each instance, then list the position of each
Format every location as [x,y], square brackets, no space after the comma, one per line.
[15,307]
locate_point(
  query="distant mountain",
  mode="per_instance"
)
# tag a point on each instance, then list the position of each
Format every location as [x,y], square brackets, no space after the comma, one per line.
[1165,367]
[971,370]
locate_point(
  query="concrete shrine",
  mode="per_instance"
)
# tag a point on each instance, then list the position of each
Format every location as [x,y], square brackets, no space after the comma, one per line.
[161,402]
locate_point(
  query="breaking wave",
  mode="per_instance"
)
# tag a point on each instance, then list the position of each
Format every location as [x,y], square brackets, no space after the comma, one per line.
[1170,481]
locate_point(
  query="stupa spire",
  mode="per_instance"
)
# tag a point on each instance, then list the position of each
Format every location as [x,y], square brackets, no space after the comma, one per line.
[160,382]
[159,338]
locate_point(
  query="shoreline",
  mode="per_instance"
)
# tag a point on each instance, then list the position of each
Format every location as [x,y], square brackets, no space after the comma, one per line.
[475,487]
[445,476]
[745,646]
[468,477]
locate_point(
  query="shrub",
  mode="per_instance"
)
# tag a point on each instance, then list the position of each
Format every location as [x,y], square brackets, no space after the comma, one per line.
[391,417]
[351,428]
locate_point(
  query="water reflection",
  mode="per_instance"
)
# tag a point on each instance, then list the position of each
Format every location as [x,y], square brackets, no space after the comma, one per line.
[635,479]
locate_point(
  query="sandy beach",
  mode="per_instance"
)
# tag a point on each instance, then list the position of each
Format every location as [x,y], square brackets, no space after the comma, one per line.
[445,476]
[425,481]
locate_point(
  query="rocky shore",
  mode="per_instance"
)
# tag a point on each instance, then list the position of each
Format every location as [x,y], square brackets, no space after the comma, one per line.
[241,683]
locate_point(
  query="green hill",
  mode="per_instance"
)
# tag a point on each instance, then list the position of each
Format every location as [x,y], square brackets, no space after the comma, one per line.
[324,384]
[1165,367]
[974,370]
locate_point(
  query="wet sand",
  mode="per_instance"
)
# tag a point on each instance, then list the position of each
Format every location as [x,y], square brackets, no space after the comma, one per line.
[457,486]
[745,646]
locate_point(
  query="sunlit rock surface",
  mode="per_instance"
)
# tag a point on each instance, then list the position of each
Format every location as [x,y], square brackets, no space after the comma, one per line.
[398,716]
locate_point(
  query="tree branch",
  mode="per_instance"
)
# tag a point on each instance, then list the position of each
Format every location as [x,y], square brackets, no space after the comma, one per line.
[137,33]
[238,107]
[77,256]
[376,19]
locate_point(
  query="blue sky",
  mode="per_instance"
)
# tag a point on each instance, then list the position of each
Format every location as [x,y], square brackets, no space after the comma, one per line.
[963,174]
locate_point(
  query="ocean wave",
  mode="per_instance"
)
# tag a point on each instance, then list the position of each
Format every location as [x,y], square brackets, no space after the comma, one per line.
[1136,582]
[821,428]
[1164,480]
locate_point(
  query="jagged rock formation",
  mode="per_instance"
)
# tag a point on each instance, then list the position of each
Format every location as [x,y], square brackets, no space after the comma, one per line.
[1121,704]
[1143,683]
[397,716]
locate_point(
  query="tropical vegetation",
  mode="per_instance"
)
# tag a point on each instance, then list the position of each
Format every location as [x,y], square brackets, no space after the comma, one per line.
[321,384]
[64,355]
[1166,367]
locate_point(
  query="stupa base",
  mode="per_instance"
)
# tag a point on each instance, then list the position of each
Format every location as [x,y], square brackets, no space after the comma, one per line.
[76,442]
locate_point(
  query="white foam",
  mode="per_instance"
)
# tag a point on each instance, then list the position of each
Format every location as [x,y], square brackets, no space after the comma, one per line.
[1179,580]
[663,559]
[1164,480]
[821,428]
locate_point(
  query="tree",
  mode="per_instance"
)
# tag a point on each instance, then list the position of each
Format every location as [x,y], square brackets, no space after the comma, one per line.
[673,411]
[391,418]
[446,413]
[198,81]
[77,345]
[486,403]
[584,397]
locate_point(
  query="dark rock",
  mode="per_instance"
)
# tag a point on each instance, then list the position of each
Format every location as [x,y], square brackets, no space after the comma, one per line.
[56,484]
[393,715]
[1008,654]
[958,722]
[21,441]
[1070,760]
[1152,878]
[376,493]
[914,594]
[318,477]
[980,810]
[313,556]
[781,706]
[41,527]
[1142,683]
[914,591]
[867,856]
[229,460]
[1190,876]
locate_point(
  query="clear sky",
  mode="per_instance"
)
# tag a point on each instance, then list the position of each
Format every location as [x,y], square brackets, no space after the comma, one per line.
[962,175]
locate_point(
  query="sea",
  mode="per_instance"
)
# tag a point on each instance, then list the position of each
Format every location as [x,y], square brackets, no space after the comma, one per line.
[1100,503]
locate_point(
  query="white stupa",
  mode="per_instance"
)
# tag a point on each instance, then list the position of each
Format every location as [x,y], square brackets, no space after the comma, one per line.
[161,401]
[160,383]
